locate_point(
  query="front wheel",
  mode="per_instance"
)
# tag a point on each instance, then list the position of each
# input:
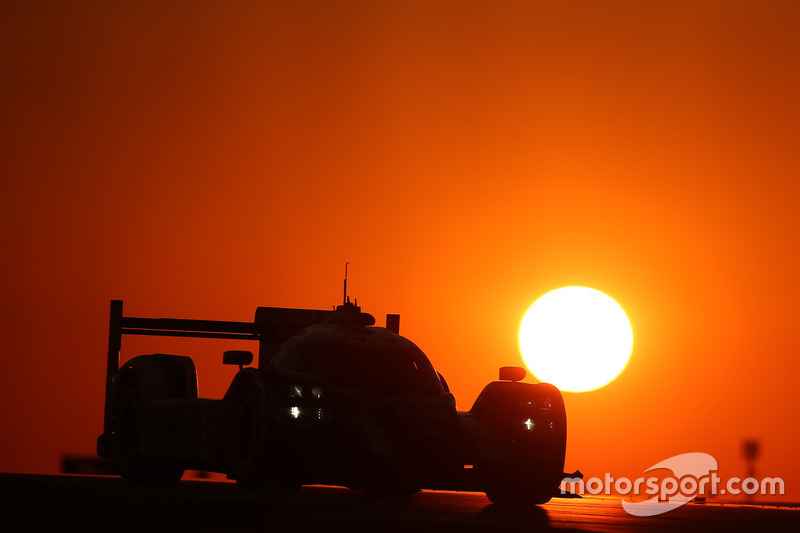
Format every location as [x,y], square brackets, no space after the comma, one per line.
[253,458]
[249,441]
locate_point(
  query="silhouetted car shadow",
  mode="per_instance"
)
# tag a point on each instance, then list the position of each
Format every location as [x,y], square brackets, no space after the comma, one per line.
[531,514]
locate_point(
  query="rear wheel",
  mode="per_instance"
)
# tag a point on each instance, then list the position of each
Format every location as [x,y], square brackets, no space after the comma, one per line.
[143,380]
[133,465]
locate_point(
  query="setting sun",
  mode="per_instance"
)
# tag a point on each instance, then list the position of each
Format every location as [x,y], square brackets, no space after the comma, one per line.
[576,338]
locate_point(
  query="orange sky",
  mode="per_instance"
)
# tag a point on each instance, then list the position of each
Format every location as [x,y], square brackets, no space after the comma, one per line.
[201,159]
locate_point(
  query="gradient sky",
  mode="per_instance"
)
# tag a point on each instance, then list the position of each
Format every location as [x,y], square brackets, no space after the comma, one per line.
[198,159]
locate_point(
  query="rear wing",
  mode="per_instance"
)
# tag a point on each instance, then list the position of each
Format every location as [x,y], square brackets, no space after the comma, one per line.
[271,327]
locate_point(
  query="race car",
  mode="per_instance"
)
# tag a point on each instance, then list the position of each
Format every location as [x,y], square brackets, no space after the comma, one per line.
[333,400]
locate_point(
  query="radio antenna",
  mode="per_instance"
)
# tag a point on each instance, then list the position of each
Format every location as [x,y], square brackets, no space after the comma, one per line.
[344,297]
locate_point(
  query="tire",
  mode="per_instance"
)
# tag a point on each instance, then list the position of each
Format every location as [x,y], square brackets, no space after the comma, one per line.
[143,380]
[249,440]
[254,464]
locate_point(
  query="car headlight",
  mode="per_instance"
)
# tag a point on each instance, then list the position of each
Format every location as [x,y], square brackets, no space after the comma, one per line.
[306,402]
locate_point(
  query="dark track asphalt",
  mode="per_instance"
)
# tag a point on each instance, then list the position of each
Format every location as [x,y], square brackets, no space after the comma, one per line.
[92,503]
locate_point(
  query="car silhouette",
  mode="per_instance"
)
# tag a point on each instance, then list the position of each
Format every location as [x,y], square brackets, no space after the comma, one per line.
[333,400]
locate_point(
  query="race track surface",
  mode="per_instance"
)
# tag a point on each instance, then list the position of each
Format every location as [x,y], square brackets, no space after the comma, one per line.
[92,503]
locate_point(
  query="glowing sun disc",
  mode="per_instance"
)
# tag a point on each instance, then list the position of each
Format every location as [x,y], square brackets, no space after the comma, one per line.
[576,338]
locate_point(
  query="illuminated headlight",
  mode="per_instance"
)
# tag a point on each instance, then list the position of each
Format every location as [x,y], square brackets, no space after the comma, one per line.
[295,391]
[315,413]
[316,393]
[530,424]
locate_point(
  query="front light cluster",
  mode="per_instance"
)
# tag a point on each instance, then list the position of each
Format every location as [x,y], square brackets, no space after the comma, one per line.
[307,402]
[531,416]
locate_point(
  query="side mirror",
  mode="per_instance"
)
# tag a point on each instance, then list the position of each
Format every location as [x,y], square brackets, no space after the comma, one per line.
[237,357]
[512,373]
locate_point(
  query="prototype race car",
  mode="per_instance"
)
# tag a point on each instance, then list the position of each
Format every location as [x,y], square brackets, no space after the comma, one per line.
[334,400]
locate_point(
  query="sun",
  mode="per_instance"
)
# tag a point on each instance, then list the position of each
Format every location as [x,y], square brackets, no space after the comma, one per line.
[576,338]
